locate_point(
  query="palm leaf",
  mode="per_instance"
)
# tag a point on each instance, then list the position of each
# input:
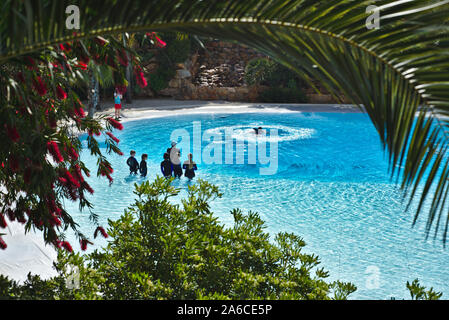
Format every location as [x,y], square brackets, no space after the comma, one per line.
[394,73]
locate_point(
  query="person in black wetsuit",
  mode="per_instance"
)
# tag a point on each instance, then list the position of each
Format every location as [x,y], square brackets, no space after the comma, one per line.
[143,165]
[258,130]
[189,166]
[132,163]
[166,166]
[175,160]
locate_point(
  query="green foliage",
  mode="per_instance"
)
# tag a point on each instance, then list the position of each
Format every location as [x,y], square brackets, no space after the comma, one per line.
[418,292]
[284,84]
[258,70]
[159,80]
[282,95]
[177,50]
[162,250]
[270,73]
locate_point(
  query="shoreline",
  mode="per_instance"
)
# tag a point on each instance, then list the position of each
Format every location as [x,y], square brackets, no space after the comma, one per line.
[155,108]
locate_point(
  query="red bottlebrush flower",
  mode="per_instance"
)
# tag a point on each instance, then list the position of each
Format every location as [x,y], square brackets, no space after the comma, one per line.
[83,58]
[21,219]
[65,47]
[82,65]
[78,174]
[109,178]
[11,214]
[159,42]
[13,163]
[57,243]
[3,245]
[73,154]
[51,204]
[55,220]
[84,243]
[73,195]
[60,93]
[101,230]
[140,78]
[71,179]
[106,169]
[66,245]
[63,181]
[53,149]
[56,65]
[12,133]
[39,86]
[80,112]
[3,223]
[88,187]
[120,153]
[112,137]
[117,125]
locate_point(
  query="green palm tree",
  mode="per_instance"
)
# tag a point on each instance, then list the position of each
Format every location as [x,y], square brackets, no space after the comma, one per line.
[398,73]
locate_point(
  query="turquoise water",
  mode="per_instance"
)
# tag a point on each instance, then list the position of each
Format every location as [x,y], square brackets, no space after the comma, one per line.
[331,187]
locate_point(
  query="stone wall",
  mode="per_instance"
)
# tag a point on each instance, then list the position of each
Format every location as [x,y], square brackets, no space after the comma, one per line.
[217,73]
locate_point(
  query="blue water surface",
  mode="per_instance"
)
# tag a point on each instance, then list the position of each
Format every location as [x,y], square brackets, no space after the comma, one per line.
[331,186]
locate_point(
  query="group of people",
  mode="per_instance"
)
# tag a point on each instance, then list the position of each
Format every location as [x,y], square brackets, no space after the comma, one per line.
[170,166]
[134,165]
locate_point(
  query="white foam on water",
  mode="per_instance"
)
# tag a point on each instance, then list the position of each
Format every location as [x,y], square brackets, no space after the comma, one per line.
[247,133]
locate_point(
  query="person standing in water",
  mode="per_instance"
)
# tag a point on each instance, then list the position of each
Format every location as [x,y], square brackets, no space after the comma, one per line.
[175,155]
[189,166]
[166,166]
[132,163]
[143,165]
[117,103]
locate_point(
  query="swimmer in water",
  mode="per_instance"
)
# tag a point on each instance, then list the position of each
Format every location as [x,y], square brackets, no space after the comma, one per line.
[258,130]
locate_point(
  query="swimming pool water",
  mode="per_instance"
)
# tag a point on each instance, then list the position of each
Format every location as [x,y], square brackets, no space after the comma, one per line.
[331,187]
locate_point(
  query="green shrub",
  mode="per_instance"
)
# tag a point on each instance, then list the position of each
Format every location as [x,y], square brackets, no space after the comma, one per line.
[282,95]
[419,292]
[159,80]
[176,51]
[270,73]
[258,71]
[161,250]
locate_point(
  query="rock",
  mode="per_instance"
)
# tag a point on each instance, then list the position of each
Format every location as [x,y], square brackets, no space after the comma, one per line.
[183,73]
[174,83]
